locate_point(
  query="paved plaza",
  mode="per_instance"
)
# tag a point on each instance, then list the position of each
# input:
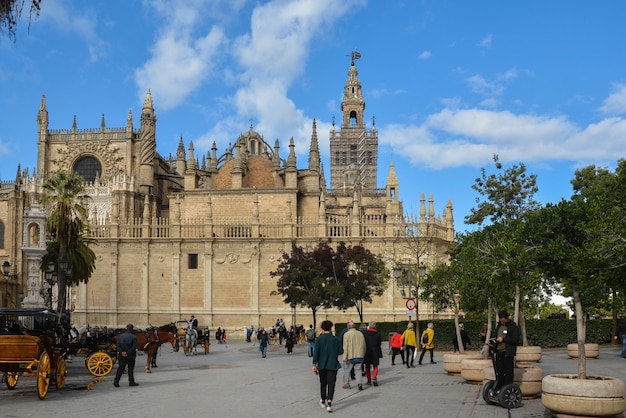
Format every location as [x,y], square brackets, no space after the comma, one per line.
[233,380]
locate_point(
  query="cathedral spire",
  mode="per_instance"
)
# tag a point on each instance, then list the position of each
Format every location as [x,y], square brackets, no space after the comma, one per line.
[147,141]
[291,159]
[314,150]
[42,115]
[129,122]
[181,157]
[192,164]
[147,103]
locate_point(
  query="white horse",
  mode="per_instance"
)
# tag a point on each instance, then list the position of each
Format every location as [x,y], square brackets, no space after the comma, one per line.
[191,341]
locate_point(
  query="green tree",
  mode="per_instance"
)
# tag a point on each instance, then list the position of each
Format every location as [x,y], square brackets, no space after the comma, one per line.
[11,12]
[67,231]
[560,239]
[443,285]
[306,278]
[504,202]
[361,274]
[605,200]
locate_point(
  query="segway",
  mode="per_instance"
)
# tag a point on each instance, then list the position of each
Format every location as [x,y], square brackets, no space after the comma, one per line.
[508,396]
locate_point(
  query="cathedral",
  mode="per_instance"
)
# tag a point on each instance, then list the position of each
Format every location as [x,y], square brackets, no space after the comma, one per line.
[200,233]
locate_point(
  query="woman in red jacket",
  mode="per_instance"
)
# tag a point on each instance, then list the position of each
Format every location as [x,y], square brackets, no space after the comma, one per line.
[396,347]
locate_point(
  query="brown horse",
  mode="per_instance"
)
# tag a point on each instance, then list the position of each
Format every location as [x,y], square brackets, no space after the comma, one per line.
[149,341]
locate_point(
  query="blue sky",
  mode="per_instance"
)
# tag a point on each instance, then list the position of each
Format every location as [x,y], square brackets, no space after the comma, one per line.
[450,83]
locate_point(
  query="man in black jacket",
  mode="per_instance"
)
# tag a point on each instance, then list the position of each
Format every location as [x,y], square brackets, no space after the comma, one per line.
[507,333]
[126,353]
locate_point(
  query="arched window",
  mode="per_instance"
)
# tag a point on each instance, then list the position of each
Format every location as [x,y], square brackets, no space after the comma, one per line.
[353,118]
[88,168]
[33,235]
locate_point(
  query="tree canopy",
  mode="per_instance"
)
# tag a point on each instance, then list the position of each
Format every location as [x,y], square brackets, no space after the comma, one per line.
[323,277]
[11,12]
[67,231]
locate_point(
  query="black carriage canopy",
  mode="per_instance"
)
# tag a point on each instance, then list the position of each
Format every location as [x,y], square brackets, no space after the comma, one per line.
[34,319]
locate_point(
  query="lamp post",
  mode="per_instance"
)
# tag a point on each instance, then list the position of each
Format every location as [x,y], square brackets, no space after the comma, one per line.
[401,275]
[7,274]
[66,270]
[51,279]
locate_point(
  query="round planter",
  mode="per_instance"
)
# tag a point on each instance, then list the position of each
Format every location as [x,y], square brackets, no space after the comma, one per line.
[596,396]
[452,361]
[591,350]
[529,354]
[472,369]
[527,376]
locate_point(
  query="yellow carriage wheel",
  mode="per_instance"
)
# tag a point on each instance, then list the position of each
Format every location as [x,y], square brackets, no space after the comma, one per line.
[11,380]
[61,373]
[43,375]
[99,364]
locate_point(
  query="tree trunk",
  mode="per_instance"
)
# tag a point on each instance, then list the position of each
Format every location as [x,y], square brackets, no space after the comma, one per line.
[314,311]
[522,327]
[516,309]
[489,324]
[580,333]
[614,315]
[61,280]
[417,311]
[456,327]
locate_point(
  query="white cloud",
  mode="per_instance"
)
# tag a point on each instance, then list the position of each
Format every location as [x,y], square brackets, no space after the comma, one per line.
[67,19]
[469,137]
[486,41]
[273,56]
[178,66]
[615,104]
[424,55]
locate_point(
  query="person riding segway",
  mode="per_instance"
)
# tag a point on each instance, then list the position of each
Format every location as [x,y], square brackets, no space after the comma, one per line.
[502,350]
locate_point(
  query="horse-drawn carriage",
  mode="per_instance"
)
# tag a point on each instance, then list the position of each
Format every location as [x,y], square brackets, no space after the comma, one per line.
[98,346]
[32,343]
[190,338]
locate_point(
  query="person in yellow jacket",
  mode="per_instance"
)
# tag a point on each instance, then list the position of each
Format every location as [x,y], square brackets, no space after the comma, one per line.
[410,342]
[427,341]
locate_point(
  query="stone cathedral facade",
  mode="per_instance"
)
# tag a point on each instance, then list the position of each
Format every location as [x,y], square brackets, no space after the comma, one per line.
[200,233]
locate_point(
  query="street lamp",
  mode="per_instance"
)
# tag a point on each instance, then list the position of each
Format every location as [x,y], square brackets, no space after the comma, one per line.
[8,275]
[51,279]
[402,277]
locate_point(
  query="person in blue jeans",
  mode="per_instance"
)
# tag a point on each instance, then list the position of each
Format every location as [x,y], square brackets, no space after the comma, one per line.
[310,339]
[263,343]
[621,333]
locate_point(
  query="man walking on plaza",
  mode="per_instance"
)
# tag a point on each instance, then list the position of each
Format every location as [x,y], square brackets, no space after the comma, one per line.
[353,354]
[126,353]
[326,364]
[310,339]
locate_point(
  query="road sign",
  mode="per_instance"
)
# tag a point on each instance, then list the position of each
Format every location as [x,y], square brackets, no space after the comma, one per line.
[410,312]
[410,304]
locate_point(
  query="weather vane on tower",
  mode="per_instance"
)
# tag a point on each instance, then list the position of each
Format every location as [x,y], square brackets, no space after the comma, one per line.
[355,55]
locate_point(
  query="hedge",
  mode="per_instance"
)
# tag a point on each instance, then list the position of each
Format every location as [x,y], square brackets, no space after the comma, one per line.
[542,332]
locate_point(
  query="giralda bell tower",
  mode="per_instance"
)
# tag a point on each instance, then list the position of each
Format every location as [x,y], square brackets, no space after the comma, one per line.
[353,148]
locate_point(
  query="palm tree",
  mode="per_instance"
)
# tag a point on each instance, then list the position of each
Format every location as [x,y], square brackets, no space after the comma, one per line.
[67,232]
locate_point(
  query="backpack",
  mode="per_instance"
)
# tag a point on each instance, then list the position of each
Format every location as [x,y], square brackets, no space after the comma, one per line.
[310,334]
[425,338]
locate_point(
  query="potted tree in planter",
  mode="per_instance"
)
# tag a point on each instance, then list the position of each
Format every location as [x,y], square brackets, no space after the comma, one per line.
[575,241]
[507,197]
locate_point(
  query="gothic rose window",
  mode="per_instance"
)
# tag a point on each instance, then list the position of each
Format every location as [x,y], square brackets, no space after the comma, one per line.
[88,168]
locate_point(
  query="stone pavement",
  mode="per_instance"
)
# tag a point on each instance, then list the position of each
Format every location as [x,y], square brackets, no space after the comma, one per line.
[233,380]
